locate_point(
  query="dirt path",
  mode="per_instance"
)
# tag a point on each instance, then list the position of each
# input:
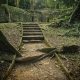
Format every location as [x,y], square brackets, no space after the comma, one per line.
[45,69]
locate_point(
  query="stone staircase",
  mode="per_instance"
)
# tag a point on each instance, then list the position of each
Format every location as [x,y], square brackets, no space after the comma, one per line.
[32,33]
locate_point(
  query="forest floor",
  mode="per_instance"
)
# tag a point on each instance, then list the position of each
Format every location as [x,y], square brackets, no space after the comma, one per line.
[46,69]
[57,38]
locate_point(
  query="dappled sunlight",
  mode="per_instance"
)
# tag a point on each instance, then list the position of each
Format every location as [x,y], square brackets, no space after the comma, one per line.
[39,40]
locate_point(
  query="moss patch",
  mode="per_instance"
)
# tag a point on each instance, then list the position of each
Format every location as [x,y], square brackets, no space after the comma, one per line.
[13,33]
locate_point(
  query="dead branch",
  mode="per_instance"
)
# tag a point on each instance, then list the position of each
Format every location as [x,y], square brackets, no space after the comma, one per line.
[60,62]
[64,68]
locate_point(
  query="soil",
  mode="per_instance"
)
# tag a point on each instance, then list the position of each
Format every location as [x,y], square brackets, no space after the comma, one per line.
[45,69]
[3,68]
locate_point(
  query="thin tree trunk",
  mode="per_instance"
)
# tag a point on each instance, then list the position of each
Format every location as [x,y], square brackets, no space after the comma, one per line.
[7,12]
[75,15]
[17,3]
[7,2]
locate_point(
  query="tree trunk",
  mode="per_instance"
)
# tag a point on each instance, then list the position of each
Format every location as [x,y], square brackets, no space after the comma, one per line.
[17,3]
[75,17]
[7,12]
[7,2]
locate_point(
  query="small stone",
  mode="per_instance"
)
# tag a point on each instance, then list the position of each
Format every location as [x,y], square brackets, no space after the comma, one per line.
[2,61]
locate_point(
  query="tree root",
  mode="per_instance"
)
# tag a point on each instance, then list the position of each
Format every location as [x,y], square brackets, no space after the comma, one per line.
[28,59]
[60,62]
[64,68]
[9,69]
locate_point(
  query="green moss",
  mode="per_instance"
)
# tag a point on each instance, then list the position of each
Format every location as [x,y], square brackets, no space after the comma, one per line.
[18,15]
[13,33]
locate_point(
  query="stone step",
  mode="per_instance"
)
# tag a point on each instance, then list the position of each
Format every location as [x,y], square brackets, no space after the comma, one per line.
[31,28]
[37,37]
[30,25]
[32,33]
[32,41]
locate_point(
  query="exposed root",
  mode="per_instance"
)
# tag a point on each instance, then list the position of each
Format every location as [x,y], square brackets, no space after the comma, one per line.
[67,73]
[28,59]
[64,68]
[9,69]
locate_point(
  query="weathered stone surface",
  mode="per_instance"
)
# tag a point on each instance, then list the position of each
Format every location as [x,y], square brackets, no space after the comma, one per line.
[3,17]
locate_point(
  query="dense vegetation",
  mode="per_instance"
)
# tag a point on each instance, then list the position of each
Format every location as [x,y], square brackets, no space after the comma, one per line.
[46,10]
[26,4]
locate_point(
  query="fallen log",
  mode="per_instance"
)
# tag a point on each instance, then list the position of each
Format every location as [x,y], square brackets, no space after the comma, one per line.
[5,46]
[9,69]
[28,59]
[22,59]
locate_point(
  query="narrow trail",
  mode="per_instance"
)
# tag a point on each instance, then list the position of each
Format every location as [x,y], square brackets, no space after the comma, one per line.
[45,69]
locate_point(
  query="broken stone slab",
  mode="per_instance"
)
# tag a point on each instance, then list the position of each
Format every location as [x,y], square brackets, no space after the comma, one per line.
[5,46]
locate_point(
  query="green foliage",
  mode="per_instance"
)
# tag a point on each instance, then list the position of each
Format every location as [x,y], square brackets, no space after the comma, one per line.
[27,4]
[75,31]
[18,15]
